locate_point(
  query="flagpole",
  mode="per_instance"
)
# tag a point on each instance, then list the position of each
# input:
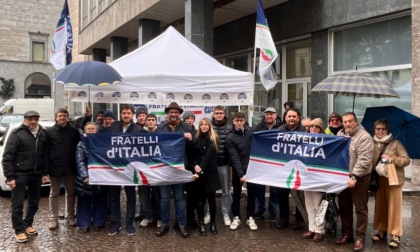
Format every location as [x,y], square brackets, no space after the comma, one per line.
[252,107]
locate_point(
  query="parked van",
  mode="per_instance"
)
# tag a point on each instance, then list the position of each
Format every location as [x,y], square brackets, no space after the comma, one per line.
[45,107]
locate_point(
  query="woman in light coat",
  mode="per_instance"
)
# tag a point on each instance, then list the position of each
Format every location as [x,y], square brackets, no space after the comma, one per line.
[388,199]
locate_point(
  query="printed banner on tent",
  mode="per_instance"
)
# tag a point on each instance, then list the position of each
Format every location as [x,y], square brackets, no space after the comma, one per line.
[137,159]
[299,161]
[182,98]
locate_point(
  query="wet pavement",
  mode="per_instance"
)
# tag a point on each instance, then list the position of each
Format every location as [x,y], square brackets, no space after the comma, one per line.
[266,238]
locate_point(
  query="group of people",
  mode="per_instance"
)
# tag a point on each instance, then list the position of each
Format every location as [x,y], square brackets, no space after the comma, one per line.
[59,152]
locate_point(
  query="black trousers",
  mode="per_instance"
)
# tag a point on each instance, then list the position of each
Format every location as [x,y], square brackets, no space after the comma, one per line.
[251,196]
[283,198]
[33,184]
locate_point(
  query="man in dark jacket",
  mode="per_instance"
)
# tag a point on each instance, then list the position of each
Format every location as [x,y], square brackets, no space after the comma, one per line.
[271,121]
[238,145]
[126,125]
[292,117]
[222,127]
[173,123]
[62,140]
[25,163]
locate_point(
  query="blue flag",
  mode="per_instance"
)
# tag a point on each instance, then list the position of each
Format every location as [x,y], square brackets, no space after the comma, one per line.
[62,46]
[299,161]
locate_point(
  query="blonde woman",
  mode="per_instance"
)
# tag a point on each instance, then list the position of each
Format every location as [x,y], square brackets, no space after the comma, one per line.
[388,199]
[206,173]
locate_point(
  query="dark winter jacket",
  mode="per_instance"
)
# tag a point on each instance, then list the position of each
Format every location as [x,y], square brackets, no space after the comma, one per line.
[263,125]
[117,127]
[62,143]
[298,128]
[238,145]
[222,129]
[205,156]
[80,188]
[24,154]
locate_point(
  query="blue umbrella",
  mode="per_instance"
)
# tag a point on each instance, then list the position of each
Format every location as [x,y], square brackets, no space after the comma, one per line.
[356,84]
[404,126]
[88,73]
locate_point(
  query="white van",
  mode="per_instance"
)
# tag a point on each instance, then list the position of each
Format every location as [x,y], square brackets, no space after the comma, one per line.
[45,107]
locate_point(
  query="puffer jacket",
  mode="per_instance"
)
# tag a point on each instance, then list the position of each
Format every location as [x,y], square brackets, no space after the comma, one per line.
[361,151]
[62,143]
[24,154]
[222,129]
[80,188]
[238,145]
[397,152]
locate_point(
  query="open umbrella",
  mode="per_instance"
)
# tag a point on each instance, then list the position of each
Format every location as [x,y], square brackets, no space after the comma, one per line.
[404,126]
[356,84]
[88,73]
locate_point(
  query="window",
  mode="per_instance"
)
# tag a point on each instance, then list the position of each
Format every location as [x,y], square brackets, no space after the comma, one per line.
[379,44]
[298,61]
[38,51]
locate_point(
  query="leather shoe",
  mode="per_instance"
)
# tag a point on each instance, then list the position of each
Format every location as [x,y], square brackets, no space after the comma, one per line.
[318,237]
[183,231]
[308,235]
[162,230]
[281,225]
[359,245]
[344,240]
[299,225]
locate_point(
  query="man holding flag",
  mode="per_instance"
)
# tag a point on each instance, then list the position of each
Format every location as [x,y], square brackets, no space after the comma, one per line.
[268,52]
[62,45]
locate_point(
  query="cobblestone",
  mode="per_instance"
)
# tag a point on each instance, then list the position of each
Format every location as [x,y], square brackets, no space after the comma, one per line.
[266,238]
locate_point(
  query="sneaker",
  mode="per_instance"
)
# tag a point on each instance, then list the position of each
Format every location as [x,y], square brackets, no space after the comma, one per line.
[31,231]
[72,222]
[144,223]
[21,237]
[259,215]
[207,219]
[235,223]
[158,223]
[272,218]
[114,229]
[53,225]
[226,219]
[251,224]
[130,229]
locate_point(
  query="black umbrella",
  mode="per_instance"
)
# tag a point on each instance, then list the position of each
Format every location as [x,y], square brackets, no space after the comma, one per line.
[88,73]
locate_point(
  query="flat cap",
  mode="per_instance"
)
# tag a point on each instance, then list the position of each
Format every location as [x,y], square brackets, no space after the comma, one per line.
[31,113]
[270,109]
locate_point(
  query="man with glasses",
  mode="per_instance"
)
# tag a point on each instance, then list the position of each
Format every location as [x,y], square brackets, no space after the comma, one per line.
[361,152]
[173,123]
[238,145]
[25,163]
[222,127]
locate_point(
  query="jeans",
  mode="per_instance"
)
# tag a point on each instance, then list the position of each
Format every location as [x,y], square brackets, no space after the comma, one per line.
[272,200]
[130,192]
[224,180]
[165,203]
[92,210]
[68,182]
[149,202]
[33,183]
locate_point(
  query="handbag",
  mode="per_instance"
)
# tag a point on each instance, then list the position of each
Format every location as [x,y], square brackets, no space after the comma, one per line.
[373,185]
[327,214]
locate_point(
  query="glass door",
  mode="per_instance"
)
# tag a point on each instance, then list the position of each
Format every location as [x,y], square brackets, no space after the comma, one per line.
[298,91]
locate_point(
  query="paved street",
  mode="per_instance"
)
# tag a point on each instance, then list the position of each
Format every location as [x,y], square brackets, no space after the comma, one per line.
[266,238]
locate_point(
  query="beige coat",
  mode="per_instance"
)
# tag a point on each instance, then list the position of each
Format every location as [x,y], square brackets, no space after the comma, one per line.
[361,151]
[399,155]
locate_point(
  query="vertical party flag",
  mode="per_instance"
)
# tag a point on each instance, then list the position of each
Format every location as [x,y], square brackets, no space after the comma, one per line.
[268,52]
[62,45]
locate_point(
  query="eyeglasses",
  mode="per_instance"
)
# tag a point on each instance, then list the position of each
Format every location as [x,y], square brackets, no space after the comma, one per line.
[335,120]
[218,113]
[313,126]
[239,120]
[380,129]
